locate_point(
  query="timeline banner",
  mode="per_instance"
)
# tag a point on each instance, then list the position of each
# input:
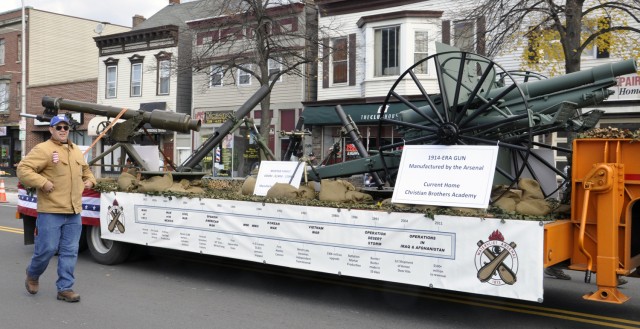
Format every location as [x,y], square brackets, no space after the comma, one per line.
[469,254]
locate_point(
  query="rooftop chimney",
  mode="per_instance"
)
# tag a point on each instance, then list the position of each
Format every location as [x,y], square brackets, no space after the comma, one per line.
[137,19]
[171,2]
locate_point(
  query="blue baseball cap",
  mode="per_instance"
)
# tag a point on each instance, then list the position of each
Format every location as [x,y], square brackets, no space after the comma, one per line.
[57,119]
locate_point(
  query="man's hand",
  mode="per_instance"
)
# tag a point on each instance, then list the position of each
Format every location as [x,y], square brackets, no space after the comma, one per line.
[48,187]
[88,184]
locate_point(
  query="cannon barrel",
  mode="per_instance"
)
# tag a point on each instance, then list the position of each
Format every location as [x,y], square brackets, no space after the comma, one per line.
[583,88]
[159,119]
[223,130]
[605,73]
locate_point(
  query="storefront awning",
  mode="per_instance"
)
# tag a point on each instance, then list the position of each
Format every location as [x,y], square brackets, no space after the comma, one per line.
[360,113]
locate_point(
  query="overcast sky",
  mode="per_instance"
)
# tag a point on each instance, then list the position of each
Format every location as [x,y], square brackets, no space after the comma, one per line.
[117,12]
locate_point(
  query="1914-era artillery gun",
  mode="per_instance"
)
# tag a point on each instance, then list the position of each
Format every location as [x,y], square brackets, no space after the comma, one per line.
[471,100]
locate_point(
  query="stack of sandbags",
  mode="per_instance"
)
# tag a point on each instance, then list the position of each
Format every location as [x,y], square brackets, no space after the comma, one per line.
[528,199]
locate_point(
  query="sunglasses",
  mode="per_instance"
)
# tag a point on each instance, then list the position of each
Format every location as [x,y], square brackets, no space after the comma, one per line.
[65,128]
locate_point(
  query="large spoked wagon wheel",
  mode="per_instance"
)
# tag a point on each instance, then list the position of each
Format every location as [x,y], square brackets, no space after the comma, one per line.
[461,99]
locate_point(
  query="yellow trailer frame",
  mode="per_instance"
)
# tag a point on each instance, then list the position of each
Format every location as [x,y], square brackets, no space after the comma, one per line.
[603,234]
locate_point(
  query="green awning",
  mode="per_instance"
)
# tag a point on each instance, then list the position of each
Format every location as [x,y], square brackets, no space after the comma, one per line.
[360,113]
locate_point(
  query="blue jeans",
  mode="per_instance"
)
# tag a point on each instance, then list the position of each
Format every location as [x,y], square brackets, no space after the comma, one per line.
[56,233]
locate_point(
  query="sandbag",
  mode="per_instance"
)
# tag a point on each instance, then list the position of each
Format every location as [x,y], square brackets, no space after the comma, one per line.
[282,191]
[358,196]
[530,189]
[334,191]
[306,192]
[156,183]
[533,207]
[248,186]
[126,182]
[506,204]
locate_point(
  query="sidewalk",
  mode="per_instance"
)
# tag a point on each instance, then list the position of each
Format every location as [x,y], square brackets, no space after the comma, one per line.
[10,184]
[11,188]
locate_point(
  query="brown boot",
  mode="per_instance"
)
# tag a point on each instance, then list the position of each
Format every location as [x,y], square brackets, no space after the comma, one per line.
[31,284]
[68,296]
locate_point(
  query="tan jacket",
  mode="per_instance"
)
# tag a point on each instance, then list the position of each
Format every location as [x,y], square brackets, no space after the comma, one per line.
[65,167]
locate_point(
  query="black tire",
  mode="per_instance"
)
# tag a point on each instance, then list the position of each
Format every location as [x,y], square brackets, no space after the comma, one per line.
[82,244]
[106,252]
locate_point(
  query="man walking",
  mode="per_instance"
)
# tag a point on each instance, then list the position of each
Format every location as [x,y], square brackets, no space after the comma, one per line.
[57,169]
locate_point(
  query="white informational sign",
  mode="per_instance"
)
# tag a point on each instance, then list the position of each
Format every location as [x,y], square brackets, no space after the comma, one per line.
[487,256]
[446,175]
[272,172]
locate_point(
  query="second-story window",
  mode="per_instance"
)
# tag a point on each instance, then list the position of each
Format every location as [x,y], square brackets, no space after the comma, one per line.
[275,67]
[340,61]
[244,77]
[4,96]
[111,78]
[1,51]
[112,81]
[463,35]
[387,50]
[136,75]
[19,48]
[420,51]
[136,79]
[216,76]
[163,77]
[164,70]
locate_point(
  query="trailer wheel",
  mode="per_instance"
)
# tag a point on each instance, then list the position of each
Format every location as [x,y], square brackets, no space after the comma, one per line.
[106,252]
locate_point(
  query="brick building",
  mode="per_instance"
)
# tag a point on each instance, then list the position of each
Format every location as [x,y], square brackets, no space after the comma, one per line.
[60,62]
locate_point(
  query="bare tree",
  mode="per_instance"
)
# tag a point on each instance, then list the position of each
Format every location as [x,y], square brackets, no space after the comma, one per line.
[265,39]
[560,31]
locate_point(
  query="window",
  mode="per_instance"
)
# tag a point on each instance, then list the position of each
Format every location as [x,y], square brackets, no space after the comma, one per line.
[4,96]
[136,79]
[275,67]
[387,48]
[340,60]
[463,35]
[216,76]
[19,48]
[111,85]
[244,77]
[164,69]
[1,51]
[19,97]
[420,51]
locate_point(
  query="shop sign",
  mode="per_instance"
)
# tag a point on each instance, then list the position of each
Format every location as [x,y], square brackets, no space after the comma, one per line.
[211,117]
[628,88]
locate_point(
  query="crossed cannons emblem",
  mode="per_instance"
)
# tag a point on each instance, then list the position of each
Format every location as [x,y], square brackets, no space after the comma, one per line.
[115,221]
[496,263]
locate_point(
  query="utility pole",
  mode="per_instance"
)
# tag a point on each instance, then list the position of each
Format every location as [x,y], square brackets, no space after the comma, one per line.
[23,87]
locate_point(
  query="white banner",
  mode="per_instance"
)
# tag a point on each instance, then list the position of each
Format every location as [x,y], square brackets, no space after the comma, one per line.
[446,175]
[477,255]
